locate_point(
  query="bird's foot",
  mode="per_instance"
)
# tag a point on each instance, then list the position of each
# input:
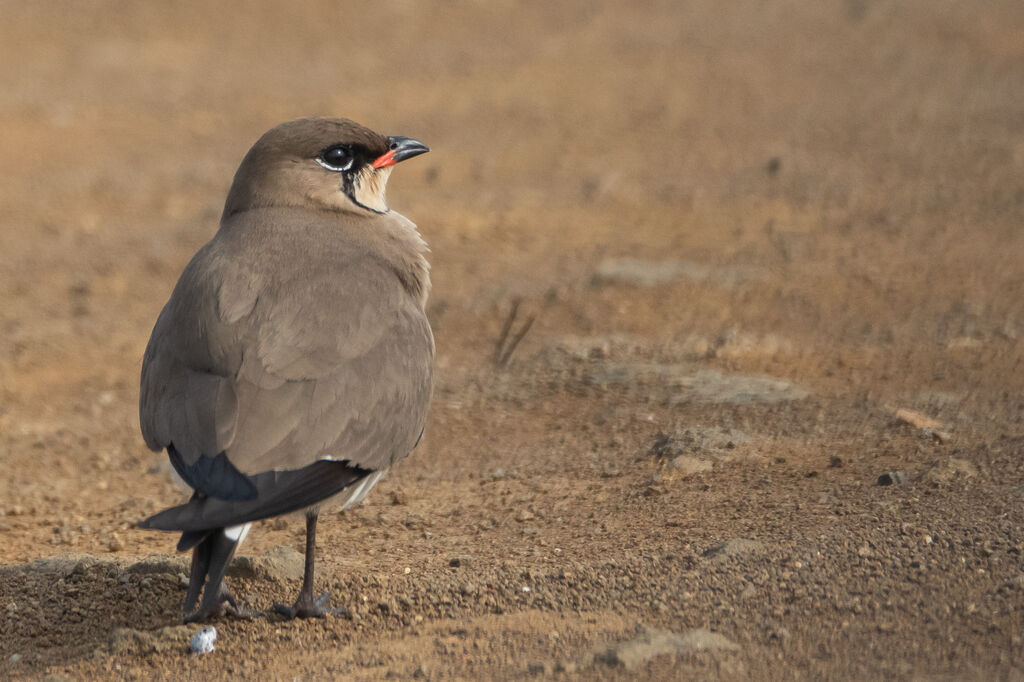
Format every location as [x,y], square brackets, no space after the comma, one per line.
[307,607]
[226,605]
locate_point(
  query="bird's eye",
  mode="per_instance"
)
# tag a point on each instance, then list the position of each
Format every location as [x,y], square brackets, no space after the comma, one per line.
[336,158]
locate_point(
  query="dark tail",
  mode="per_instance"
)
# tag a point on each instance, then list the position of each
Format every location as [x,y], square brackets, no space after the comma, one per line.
[278,492]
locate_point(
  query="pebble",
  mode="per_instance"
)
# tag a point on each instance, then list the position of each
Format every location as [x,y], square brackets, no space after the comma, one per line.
[918,420]
[540,669]
[688,466]
[949,470]
[202,641]
[280,563]
[893,478]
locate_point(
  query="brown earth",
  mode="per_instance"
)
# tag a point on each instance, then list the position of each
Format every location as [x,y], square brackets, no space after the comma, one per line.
[821,208]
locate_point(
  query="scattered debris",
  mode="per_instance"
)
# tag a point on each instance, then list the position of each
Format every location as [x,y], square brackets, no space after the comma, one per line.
[202,641]
[697,439]
[695,449]
[507,341]
[948,470]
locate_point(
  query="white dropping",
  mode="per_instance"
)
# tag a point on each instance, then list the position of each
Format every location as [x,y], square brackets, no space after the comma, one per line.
[202,641]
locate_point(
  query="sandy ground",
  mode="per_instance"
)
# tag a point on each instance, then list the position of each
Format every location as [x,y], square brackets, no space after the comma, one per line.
[748,233]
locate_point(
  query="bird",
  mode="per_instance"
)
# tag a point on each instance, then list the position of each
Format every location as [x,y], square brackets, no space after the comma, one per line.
[292,365]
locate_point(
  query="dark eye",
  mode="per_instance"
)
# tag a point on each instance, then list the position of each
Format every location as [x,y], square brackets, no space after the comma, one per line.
[336,158]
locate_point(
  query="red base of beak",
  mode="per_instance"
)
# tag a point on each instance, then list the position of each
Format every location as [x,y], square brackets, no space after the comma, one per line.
[385,160]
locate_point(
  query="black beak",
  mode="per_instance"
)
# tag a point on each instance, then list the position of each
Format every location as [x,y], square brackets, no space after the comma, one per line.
[400,149]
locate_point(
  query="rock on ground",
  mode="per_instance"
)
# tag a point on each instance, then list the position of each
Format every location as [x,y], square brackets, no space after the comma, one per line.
[280,563]
[652,643]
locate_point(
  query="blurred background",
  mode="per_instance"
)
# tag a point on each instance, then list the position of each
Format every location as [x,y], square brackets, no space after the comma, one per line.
[783,221]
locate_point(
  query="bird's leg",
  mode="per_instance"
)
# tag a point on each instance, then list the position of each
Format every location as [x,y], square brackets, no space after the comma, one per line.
[210,561]
[200,565]
[306,606]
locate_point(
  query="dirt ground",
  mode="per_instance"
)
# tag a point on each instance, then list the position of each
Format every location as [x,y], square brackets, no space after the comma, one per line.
[748,234]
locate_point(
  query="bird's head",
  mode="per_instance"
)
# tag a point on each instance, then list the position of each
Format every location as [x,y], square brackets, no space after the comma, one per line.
[328,164]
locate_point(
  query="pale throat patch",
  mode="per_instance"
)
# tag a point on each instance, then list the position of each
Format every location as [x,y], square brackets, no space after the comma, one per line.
[370,186]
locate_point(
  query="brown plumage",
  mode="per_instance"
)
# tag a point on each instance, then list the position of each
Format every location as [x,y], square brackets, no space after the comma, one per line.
[292,364]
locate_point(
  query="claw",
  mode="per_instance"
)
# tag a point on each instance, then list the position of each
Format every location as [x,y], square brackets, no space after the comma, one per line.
[226,605]
[307,608]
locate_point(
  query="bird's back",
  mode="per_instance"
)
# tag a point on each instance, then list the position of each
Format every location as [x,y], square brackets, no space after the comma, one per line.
[294,336]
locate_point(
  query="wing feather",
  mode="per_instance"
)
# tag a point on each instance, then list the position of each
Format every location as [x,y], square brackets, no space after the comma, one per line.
[276,373]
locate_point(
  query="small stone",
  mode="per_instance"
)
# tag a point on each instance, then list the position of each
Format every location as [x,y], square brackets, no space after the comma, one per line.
[918,420]
[893,478]
[688,466]
[115,543]
[15,658]
[459,561]
[540,669]
[524,515]
[835,462]
[398,498]
[964,343]
[202,641]
[280,563]
[733,548]
[949,470]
